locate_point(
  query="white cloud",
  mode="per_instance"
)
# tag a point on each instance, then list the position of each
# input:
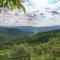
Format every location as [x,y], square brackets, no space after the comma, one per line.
[40,5]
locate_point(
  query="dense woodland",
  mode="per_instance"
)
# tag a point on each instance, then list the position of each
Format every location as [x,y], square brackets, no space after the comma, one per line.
[14,42]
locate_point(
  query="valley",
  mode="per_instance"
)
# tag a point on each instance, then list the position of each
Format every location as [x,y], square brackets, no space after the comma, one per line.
[15,42]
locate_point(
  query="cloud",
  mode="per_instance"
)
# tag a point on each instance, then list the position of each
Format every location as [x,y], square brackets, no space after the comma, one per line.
[42,4]
[40,13]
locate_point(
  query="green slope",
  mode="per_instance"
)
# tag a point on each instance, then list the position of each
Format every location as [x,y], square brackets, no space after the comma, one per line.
[41,46]
[9,34]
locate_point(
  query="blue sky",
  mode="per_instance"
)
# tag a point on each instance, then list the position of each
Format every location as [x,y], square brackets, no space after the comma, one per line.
[41,1]
[51,1]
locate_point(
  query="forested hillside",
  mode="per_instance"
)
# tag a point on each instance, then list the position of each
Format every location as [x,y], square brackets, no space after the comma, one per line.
[41,46]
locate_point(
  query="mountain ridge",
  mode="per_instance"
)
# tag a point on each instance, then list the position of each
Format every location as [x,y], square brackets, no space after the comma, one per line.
[38,29]
[29,29]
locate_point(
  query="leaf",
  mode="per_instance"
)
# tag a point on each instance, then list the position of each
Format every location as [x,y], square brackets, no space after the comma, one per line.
[12,4]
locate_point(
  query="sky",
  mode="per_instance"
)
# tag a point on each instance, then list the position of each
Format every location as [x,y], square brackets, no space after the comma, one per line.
[38,13]
[49,8]
[41,4]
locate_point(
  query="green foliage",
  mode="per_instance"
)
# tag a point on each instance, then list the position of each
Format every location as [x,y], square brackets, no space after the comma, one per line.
[14,42]
[12,4]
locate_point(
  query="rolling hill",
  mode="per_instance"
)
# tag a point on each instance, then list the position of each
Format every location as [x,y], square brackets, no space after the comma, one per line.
[19,42]
[40,29]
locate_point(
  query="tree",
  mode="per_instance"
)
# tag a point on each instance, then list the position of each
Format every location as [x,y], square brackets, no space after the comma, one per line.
[12,4]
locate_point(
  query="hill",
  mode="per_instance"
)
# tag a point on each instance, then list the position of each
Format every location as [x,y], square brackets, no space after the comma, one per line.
[8,34]
[14,42]
[36,30]
[12,31]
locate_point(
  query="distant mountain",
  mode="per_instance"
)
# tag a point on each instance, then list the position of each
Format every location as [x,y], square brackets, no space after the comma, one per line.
[26,30]
[12,31]
[8,34]
[38,29]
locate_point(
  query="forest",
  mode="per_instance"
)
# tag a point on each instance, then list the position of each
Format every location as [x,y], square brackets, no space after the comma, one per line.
[19,45]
